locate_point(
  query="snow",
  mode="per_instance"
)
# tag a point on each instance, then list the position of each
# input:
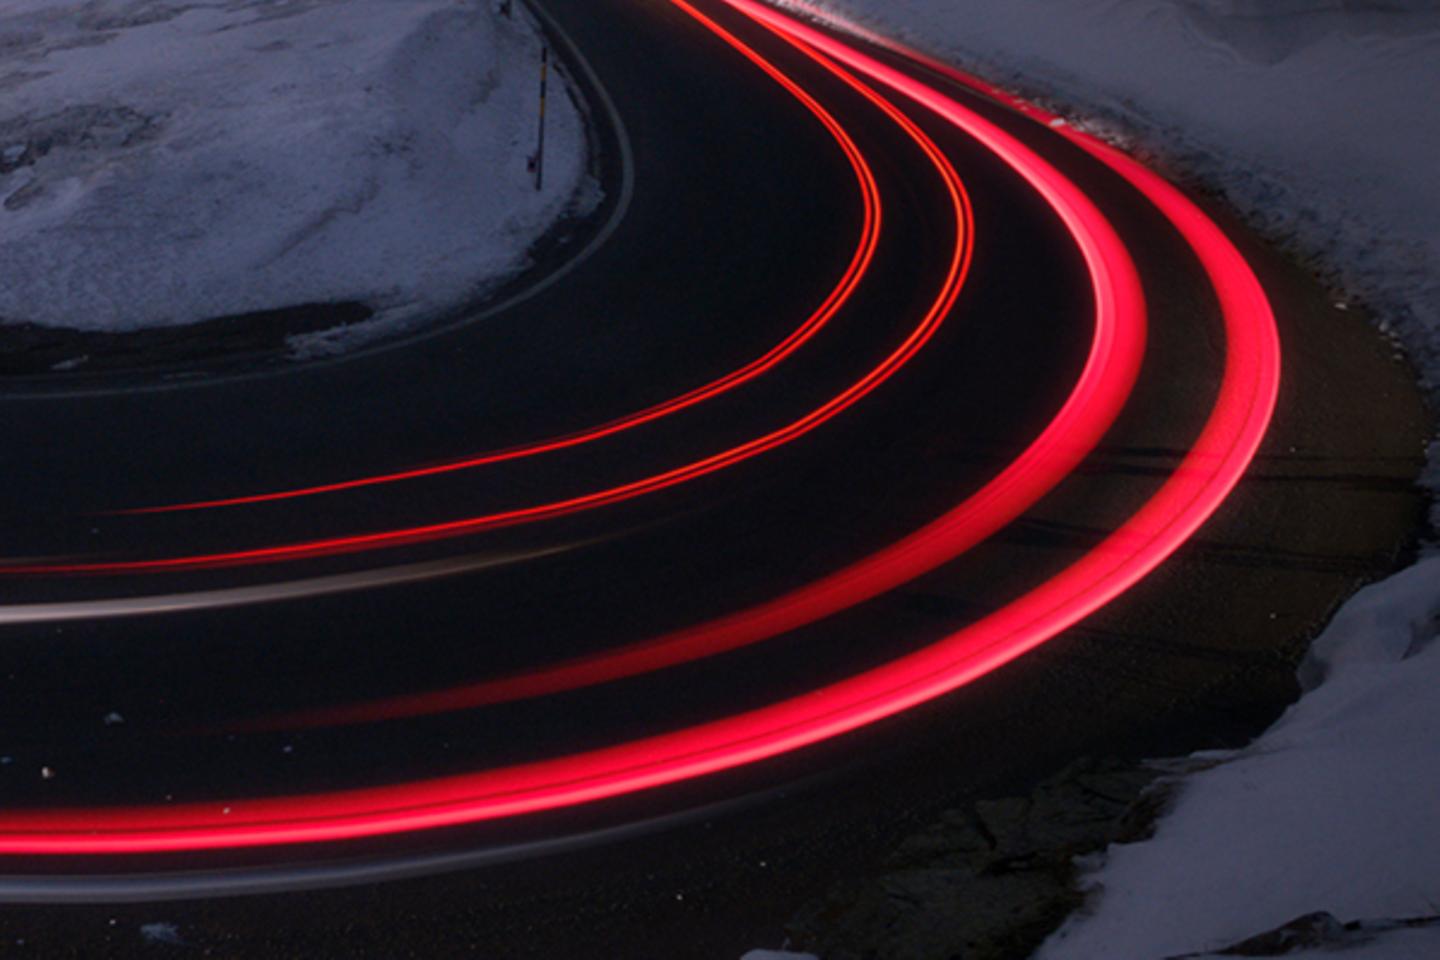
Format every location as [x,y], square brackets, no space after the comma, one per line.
[1316,119]
[168,163]
[1333,808]
[166,933]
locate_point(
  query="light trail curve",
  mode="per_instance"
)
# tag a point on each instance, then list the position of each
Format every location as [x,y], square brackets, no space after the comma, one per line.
[1206,475]
[1111,367]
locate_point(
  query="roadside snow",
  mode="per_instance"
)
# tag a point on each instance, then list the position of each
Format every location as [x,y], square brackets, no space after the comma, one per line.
[1334,808]
[167,163]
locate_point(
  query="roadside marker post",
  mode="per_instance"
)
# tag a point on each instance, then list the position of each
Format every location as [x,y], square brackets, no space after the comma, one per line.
[538,161]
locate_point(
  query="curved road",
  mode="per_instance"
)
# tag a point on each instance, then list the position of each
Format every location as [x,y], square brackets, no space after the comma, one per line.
[871,390]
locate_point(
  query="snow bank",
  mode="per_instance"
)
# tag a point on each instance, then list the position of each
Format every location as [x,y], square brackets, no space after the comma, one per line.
[167,163]
[1333,809]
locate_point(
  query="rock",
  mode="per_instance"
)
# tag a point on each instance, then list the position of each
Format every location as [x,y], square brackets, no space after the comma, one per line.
[1318,931]
[990,880]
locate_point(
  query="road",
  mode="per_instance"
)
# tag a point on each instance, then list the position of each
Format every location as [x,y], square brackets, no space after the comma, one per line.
[848,386]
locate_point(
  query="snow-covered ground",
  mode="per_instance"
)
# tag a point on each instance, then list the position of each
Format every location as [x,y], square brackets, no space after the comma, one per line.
[1335,808]
[1318,120]
[164,163]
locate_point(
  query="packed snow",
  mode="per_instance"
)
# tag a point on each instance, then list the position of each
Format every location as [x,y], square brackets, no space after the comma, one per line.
[1334,808]
[165,163]
[1316,119]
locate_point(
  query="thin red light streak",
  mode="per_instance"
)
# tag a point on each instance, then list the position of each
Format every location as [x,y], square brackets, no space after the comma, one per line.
[1235,284]
[925,330]
[1228,442]
[1241,416]
[854,272]
[1117,349]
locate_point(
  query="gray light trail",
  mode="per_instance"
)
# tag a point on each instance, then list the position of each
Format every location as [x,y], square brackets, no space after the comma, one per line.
[157,604]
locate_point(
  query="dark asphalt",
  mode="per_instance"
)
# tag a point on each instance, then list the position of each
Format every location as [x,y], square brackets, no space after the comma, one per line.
[734,230]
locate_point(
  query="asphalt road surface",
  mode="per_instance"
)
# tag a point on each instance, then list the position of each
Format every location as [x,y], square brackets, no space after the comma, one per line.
[590,604]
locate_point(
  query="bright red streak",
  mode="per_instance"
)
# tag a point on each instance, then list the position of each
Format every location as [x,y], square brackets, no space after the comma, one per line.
[1211,469]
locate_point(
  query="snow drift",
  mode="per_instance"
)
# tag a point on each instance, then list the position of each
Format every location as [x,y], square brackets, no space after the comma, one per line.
[164,163]
[1332,809]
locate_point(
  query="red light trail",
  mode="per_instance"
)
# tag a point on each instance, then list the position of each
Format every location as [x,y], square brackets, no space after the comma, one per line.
[1207,474]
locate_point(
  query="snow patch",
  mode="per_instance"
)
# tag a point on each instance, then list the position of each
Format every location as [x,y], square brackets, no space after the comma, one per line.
[166,933]
[1387,621]
[163,164]
[1331,809]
